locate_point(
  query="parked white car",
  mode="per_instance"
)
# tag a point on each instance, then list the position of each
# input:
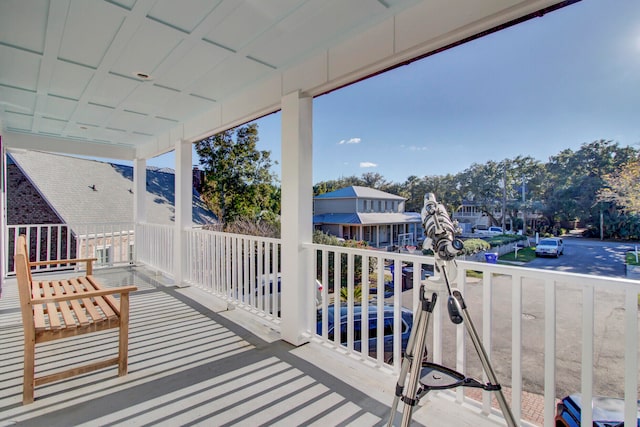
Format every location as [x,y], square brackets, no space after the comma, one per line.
[552,246]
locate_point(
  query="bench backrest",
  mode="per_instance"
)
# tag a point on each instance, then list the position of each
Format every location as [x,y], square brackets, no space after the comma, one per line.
[23,273]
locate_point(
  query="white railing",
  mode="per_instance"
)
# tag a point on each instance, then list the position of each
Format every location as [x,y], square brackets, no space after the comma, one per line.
[530,320]
[110,243]
[154,246]
[244,270]
[546,332]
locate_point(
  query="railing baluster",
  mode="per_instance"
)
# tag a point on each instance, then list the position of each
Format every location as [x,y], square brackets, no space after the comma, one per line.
[631,357]
[586,416]
[549,353]
[487,309]
[516,346]
[461,347]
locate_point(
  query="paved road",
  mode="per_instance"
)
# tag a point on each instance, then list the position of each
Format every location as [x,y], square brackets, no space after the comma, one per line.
[588,256]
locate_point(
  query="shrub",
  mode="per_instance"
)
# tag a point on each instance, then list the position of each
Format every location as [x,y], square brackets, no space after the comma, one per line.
[504,239]
[473,246]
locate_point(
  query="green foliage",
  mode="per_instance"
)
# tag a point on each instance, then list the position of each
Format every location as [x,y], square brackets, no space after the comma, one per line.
[524,255]
[504,239]
[326,239]
[357,294]
[631,258]
[238,179]
[473,246]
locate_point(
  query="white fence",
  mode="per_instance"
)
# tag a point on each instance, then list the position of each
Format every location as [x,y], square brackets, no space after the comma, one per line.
[154,246]
[546,332]
[244,270]
[110,243]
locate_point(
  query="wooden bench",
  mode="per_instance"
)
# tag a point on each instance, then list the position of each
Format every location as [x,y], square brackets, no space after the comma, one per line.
[63,308]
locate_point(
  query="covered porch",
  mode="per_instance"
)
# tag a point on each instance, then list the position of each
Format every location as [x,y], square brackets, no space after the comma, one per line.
[132,80]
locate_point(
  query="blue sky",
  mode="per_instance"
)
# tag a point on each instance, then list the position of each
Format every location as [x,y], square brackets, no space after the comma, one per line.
[555,82]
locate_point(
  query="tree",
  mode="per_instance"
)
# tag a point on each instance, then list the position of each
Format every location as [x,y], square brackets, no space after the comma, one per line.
[238,179]
[577,177]
[623,187]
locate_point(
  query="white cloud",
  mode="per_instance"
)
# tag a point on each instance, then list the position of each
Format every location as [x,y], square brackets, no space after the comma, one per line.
[368,165]
[416,148]
[350,141]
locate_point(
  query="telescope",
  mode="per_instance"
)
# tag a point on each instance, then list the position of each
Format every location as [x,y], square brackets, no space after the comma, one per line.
[417,376]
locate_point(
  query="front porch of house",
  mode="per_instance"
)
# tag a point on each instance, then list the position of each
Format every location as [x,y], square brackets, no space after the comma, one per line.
[195,362]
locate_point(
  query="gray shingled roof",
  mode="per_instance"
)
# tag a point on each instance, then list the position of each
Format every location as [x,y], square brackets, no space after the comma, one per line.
[68,183]
[356,191]
[368,218]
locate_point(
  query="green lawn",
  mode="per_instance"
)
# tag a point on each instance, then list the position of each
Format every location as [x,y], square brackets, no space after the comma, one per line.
[524,255]
[631,259]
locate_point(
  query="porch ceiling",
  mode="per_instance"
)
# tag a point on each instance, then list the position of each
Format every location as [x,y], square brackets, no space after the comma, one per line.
[69,69]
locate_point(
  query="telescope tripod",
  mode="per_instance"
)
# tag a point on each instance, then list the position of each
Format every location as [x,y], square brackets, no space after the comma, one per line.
[424,377]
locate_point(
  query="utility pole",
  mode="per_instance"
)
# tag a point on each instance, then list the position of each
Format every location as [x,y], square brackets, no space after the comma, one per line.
[524,211]
[504,199]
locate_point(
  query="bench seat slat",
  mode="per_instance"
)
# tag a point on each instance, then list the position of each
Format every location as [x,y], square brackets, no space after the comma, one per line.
[110,299]
[65,310]
[101,302]
[51,310]
[76,307]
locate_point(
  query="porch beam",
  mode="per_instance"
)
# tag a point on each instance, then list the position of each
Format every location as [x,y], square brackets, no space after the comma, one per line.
[25,141]
[297,217]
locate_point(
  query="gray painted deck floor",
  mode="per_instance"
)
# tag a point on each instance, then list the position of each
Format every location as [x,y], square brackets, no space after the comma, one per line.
[193,362]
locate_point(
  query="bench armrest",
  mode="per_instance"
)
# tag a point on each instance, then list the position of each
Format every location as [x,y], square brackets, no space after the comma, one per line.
[82,295]
[88,261]
[62,261]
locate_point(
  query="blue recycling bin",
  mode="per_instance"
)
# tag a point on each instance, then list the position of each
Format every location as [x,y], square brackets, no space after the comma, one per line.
[491,258]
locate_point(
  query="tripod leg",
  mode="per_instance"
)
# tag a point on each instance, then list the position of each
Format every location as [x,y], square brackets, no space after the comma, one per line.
[484,359]
[414,353]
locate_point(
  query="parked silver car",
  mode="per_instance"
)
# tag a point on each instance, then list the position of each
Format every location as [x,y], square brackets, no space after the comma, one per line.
[552,246]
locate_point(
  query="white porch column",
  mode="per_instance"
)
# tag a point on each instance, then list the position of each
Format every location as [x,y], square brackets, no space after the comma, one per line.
[183,207]
[139,190]
[297,217]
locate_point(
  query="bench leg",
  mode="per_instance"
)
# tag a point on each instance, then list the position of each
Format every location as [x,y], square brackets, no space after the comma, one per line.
[28,386]
[123,342]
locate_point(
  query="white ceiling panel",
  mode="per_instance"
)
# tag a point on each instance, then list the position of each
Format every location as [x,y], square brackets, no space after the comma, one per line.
[148,98]
[248,21]
[231,76]
[152,43]
[95,115]
[19,122]
[58,108]
[89,30]
[128,120]
[198,61]
[69,80]
[112,90]
[17,100]
[18,68]
[184,15]
[318,26]
[52,125]
[185,106]
[23,24]
[213,63]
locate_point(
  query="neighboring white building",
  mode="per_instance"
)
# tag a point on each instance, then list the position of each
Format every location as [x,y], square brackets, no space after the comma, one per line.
[367,214]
